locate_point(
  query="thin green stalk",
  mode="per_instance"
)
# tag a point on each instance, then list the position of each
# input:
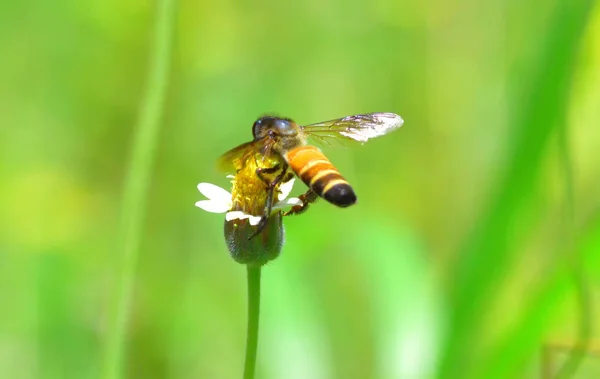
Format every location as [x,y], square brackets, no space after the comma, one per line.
[136,184]
[253,318]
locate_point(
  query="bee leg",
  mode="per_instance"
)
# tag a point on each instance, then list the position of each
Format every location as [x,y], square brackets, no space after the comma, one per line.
[260,171]
[264,220]
[270,196]
[271,185]
[307,198]
[262,224]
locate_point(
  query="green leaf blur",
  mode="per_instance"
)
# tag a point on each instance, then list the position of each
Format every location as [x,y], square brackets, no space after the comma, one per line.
[474,248]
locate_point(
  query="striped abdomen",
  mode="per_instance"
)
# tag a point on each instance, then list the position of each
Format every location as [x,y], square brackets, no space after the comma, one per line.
[318,173]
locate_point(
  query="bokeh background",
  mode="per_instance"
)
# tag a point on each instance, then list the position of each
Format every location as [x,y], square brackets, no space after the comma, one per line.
[473,251]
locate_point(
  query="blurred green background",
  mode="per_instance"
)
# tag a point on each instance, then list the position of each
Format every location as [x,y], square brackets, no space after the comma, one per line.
[473,251]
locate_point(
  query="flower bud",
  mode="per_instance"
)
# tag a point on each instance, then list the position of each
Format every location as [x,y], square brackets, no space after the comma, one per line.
[259,249]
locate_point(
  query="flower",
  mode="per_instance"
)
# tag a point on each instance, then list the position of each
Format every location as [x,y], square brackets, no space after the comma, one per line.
[220,201]
[250,241]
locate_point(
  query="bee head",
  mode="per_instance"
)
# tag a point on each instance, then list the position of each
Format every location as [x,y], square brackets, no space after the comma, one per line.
[274,127]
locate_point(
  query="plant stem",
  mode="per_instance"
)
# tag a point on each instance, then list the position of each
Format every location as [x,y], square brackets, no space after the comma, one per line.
[253,318]
[136,184]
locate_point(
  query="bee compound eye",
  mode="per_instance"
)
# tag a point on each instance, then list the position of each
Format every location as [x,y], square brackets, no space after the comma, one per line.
[257,128]
[282,125]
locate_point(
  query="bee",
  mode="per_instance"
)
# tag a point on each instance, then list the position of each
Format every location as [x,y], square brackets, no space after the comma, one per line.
[280,149]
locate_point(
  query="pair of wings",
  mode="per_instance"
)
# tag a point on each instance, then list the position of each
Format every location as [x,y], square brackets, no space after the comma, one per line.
[359,128]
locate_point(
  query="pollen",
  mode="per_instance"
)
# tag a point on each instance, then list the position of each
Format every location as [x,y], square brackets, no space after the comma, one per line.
[249,190]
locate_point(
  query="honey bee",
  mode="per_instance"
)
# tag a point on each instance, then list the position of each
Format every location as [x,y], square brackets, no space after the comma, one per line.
[280,150]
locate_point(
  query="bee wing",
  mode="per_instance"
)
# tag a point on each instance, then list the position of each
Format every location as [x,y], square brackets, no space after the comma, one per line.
[360,128]
[228,162]
[235,158]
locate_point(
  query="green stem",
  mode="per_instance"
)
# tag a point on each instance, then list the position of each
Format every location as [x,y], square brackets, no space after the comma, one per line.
[136,184]
[253,318]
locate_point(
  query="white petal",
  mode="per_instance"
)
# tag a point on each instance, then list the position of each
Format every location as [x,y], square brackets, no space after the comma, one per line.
[288,203]
[254,220]
[214,192]
[230,176]
[285,189]
[236,215]
[239,215]
[213,206]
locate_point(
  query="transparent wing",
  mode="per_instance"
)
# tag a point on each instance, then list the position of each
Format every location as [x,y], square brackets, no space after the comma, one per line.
[235,158]
[360,128]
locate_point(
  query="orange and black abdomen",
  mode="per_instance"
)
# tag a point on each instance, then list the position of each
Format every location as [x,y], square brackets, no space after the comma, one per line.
[318,173]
